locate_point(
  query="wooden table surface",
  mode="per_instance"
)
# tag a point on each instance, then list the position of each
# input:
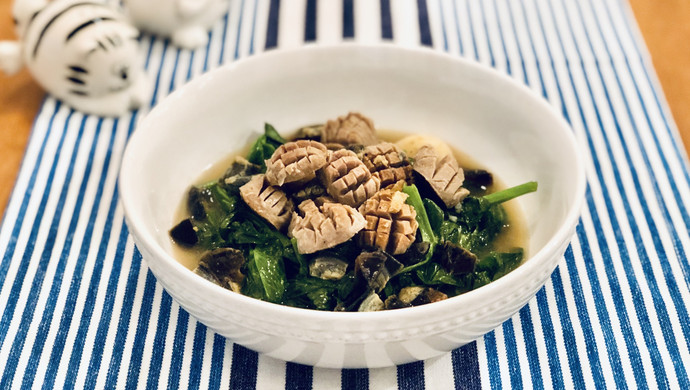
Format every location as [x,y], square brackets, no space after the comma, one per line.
[665,25]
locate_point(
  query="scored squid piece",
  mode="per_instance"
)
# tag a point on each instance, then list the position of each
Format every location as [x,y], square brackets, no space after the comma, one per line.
[321,227]
[387,163]
[391,223]
[347,179]
[270,202]
[444,175]
[353,128]
[296,162]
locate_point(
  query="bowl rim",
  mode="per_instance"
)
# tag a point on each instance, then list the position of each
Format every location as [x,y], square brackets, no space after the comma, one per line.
[562,236]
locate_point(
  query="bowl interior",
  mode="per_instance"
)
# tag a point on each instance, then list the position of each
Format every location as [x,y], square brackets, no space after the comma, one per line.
[497,122]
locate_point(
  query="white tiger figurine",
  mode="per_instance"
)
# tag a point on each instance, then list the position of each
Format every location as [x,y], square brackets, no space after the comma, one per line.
[185,22]
[82,52]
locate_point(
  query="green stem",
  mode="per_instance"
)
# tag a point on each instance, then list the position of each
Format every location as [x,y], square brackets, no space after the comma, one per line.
[415,200]
[427,258]
[510,193]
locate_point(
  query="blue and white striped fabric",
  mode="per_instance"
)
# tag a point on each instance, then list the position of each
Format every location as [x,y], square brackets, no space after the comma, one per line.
[79,308]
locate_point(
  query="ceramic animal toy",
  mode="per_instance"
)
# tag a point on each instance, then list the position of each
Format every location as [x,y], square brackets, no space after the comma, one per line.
[81,51]
[185,22]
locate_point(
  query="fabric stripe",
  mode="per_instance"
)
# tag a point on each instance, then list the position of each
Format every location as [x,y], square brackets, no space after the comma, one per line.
[355,379]
[298,376]
[423,18]
[466,367]
[411,376]
[42,335]
[81,310]
[651,342]
[348,19]
[386,20]
[243,370]
[310,21]
[272,31]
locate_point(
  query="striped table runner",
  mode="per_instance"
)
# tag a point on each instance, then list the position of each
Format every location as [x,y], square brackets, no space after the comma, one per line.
[79,308]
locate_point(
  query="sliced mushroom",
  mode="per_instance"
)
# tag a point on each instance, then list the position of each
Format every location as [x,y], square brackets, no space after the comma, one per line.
[240,172]
[270,202]
[376,268]
[295,161]
[371,303]
[391,223]
[347,179]
[443,175]
[222,267]
[328,268]
[320,227]
[455,259]
[354,128]
[386,162]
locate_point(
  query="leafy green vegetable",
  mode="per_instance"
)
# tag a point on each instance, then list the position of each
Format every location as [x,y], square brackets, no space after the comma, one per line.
[425,229]
[509,193]
[434,213]
[415,200]
[264,146]
[215,209]
[265,274]
[480,219]
[310,292]
[302,266]
[276,271]
[433,274]
[497,264]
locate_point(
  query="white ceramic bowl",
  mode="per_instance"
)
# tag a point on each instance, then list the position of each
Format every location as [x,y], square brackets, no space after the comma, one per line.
[498,122]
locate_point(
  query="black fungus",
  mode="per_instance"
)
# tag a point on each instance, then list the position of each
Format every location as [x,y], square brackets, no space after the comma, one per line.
[327,268]
[223,267]
[239,173]
[377,268]
[455,259]
[309,132]
[184,234]
[197,198]
[478,180]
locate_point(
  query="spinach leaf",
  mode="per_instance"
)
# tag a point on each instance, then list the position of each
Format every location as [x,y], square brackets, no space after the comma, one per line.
[497,264]
[265,274]
[480,219]
[433,274]
[214,211]
[434,213]
[425,229]
[415,200]
[264,146]
[310,292]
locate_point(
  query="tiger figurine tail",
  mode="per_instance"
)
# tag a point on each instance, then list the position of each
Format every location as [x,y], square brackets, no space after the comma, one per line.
[82,52]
